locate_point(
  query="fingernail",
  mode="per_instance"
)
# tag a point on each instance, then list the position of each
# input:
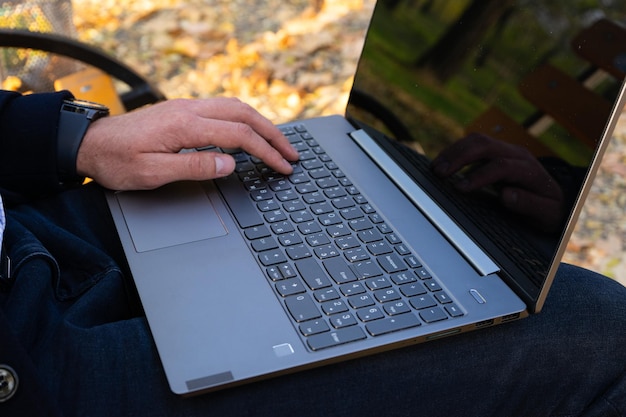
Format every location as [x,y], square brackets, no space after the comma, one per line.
[222,165]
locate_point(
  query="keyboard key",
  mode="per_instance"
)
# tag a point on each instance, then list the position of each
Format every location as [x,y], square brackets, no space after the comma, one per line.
[360,301]
[267,205]
[379,248]
[432,315]
[334,307]
[308,188]
[263,244]
[369,236]
[339,321]
[412,261]
[360,224]
[287,270]
[326,251]
[290,286]
[289,239]
[282,227]
[298,252]
[351,213]
[317,239]
[313,274]
[286,195]
[356,255]
[398,307]
[391,263]
[329,219]
[262,194]
[453,310]
[314,197]
[275,216]
[412,289]
[338,230]
[294,205]
[423,273]
[239,203]
[432,285]
[442,297]
[334,192]
[342,202]
[257,232]
[314,327]
[302,308]
[312,164]
[339,270]
[422,301]
[321,208]
[272,257]
[377,283]
[319,173]
[367,269]
[369,314]
[336,337]
[306,155]
[326,183]
[274,273]
[346,242]
[301,216]
[403,278]
[326,294]
[352,288]
[386,295]
[393,324]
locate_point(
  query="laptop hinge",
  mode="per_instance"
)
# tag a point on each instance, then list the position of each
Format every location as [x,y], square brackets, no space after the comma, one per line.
[457,237]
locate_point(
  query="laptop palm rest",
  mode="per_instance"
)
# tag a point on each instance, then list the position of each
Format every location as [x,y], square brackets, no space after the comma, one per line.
[144,213]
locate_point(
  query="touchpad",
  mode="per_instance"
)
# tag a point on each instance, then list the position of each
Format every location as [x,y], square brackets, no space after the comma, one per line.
[171,215]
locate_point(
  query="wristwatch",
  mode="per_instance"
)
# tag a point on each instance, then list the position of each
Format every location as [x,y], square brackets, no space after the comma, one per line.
[75,118]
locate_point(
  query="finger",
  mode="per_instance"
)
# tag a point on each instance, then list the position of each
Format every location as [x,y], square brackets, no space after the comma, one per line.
[229,134]
[234,110]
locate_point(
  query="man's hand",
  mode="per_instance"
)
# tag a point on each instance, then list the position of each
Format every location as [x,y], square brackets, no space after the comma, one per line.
[140,150]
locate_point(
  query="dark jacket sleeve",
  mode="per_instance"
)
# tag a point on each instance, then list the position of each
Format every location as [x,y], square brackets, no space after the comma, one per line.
[28,140]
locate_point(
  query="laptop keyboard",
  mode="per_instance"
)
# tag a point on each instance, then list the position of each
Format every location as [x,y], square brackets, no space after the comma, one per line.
[340,269]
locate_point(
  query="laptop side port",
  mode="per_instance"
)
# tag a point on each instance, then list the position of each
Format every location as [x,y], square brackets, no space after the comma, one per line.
[484,323]
[510,317]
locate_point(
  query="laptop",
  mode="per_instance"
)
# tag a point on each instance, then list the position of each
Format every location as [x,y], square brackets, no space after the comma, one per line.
[363,248]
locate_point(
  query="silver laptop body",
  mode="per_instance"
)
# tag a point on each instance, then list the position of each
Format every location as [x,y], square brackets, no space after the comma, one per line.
[232,295]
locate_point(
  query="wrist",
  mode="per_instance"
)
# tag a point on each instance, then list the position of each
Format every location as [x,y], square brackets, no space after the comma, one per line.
[75,118]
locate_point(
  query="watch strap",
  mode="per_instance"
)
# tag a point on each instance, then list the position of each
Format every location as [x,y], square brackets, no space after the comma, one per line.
[74,120]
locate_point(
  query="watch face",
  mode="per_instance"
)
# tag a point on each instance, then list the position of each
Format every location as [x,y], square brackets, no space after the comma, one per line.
[87,104]
[91,110]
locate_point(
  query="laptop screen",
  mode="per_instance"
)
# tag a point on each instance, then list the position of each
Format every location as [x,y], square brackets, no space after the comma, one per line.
[504,103]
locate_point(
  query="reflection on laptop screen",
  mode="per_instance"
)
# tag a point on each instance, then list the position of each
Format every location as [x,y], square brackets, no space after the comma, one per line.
[505,102]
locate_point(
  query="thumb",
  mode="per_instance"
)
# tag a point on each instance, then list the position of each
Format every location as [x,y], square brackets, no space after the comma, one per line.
[195,166]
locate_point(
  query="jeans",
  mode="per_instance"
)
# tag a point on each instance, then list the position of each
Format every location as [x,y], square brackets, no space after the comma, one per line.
[74,310]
